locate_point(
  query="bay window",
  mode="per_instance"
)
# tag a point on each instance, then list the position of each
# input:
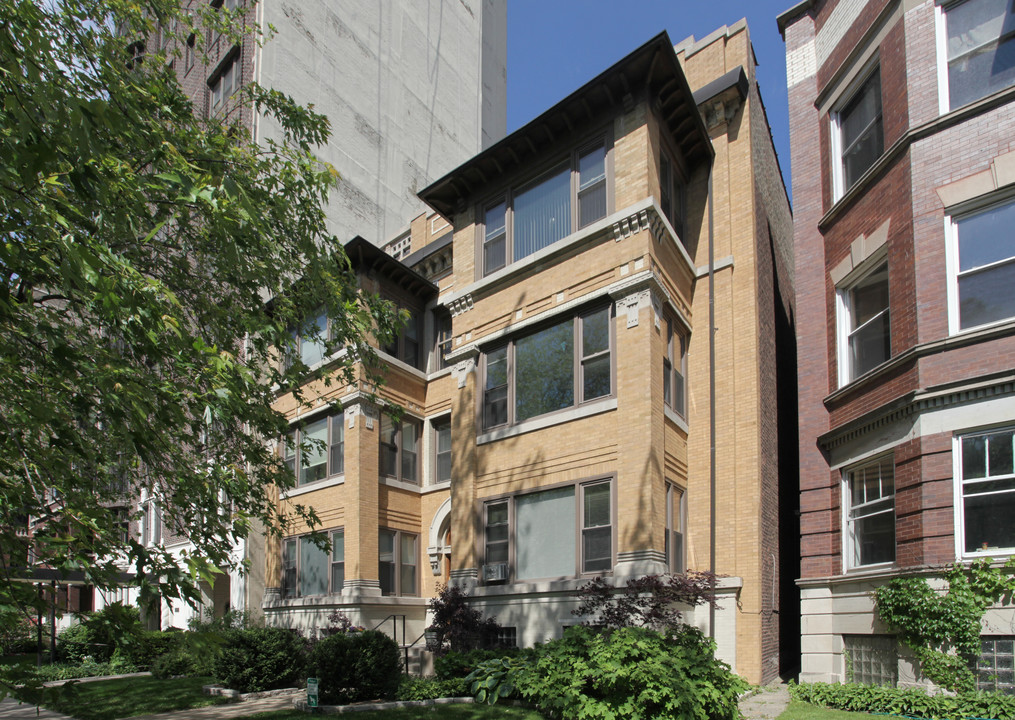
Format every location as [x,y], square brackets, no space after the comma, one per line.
[316,449]
[675,520]
[671,193]
[550,369]
[982,279]
[406,344]
[986,478]
[308,570]
[870,513]
[396,557]
[675,369]
[536,535]
[442,453]
[399,451]
[538,213]
[309,338]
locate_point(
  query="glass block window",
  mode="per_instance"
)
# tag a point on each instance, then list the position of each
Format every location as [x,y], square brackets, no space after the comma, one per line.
[995,668]
[871,659]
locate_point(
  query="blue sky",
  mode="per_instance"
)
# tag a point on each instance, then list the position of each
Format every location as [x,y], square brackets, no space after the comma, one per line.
[555,46]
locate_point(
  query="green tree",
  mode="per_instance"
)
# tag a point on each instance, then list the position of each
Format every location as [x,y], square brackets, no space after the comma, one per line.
[152,261]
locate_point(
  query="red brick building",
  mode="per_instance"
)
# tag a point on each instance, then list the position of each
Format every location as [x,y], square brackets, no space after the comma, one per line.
[902,116]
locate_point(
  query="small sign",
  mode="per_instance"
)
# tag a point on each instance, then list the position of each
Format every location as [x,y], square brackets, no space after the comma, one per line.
[312,692]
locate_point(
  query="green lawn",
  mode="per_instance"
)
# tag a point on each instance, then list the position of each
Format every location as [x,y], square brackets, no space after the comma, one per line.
[112,699]
[805,711]
[432,712]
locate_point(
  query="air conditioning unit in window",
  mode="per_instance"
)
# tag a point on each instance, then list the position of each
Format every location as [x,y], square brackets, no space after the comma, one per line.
[495,572]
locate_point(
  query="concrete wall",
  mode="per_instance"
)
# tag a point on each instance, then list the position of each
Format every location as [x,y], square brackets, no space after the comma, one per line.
[411,90]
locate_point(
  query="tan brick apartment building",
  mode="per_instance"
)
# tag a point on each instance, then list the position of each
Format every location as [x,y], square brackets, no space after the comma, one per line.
[903,122]
[393,79]
[555,396]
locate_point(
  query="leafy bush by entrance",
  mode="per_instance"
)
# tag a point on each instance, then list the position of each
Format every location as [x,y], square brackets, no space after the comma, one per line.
[631,672]
[350,667]
[261,658]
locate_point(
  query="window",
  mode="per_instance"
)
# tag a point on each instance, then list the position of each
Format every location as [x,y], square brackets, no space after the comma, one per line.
[870,513]
[982,288]
[987,486]
[190,53]
[399,449]
[497,542]
[994,667]
[225,83]
[858,134]
[535,374]
[597,528]
[865,339]
[309,339]
[671,194]
[316,450]
[539,213]
[442,442]
[871,659]
[397,562]
[675,514]
[405,346]
[535,536]
[675,369]
[442,338]
[979,49]
[308,570]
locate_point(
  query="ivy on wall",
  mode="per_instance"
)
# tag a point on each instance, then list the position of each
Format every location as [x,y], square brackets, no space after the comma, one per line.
[943,628]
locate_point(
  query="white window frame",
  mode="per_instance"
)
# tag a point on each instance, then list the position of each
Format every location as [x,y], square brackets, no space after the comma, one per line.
[951,228]
[848,533]
[941,42]
[958,501]
[844,312]
[838,169]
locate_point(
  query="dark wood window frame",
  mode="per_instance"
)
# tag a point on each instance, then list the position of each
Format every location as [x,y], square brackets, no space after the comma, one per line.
[291,566]
[497,224]
[334,449]
[493,396]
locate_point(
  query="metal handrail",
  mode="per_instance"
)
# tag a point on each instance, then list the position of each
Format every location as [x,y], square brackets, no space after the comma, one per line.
[394,636]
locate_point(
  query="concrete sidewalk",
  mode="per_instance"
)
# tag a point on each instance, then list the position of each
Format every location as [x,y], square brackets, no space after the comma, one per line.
[766,704]
[11,709]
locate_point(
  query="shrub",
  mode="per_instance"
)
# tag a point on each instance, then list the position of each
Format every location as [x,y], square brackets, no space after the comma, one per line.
[457,624]
[648,601]
[356,666]
[911,702]
[16,634]
[260,658]
[173,664]
[97,635]
[149,645]
[454,664]
[428,688]
[632,672]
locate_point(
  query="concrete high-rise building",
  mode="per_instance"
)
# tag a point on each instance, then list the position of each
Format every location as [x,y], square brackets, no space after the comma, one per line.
[902,115]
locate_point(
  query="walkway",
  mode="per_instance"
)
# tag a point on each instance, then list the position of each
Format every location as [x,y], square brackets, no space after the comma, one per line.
[767,704]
